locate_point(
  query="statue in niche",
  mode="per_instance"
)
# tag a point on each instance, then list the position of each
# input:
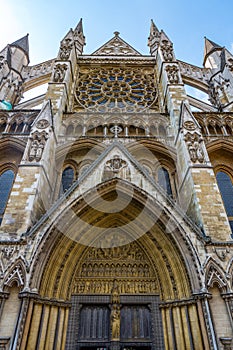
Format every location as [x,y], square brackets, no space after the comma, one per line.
[200,153]
[39,151]
[37,146]
[33,150]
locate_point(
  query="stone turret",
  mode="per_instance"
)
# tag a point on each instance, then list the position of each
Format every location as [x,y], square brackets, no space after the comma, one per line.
[37,168]
[35,174]
[193,166]
[13,58]
[62,78]
[220,62]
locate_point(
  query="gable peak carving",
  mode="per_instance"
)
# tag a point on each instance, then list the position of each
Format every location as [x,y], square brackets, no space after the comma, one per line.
[116,47]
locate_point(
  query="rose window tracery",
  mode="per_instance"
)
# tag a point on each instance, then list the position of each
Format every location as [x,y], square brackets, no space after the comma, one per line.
[116,90]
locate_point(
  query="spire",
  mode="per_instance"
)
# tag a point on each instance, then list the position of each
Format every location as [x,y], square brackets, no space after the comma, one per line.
[210,47]
[154,37]
[22,43]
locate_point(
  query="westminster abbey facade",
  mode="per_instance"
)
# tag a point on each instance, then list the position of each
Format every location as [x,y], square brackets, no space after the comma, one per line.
[116,198]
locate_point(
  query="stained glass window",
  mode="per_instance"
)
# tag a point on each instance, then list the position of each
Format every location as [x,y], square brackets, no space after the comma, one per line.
[226,189]
[164,180]
[67,178]
[6,182]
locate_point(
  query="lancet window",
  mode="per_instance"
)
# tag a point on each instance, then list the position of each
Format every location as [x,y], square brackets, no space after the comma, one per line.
[6,182]
[226,189]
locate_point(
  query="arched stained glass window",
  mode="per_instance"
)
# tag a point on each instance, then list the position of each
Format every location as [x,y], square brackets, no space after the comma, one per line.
[6,182]
[226,189]
[164,180]
[67,178]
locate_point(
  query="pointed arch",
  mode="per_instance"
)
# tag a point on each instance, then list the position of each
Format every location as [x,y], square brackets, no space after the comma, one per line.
[16,275]
[170,254]
[215,276]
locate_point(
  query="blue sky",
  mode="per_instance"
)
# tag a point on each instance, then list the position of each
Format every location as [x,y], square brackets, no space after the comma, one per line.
[185,22]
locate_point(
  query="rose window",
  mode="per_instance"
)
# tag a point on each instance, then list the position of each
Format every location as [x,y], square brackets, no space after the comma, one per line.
[116,90]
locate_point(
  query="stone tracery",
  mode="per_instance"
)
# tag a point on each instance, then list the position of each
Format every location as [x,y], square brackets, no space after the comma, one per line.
[116,89]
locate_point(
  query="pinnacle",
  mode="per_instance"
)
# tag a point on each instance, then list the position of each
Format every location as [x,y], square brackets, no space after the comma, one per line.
[164,36]
[153,27]
[79,27]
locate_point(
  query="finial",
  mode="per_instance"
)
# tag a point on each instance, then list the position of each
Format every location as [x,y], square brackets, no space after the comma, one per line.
[116,33]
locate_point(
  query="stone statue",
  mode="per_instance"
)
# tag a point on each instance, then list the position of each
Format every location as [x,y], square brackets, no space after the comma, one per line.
[115,322]
[33,150]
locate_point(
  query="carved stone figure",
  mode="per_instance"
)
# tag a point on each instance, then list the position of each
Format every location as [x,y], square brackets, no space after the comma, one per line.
[65,49]
[195,148]
[37,146]
[230,64]
[33,150]
[59,73]
[1,61]
[172,74]
[116,167]
[115,322]
[39,151]
[200,153]
[213,94]
[167,50]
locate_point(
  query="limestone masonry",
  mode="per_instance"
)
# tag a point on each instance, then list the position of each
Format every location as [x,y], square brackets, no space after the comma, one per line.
[116,198]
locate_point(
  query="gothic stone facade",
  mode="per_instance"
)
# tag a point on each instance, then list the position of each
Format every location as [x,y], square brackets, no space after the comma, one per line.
[116,198]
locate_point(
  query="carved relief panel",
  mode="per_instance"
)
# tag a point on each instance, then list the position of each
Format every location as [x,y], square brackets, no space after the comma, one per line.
[128,265]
